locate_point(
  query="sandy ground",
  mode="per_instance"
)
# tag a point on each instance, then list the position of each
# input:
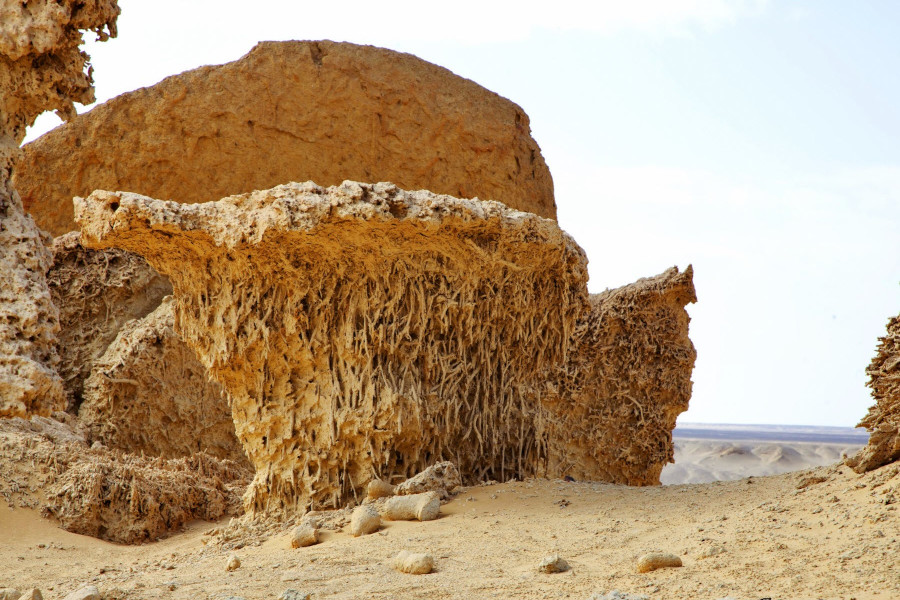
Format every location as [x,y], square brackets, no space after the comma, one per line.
[826,533]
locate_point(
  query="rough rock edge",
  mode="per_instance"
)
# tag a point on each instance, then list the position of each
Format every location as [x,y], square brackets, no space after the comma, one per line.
[288,111]
[471,262]
[148,394]
[97,292]
[41,68]
[883,418]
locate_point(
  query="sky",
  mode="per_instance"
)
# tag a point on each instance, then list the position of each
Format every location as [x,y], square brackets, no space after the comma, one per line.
[757,140]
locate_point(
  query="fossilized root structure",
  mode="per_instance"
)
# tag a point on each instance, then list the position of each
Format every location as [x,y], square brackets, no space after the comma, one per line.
[364,331]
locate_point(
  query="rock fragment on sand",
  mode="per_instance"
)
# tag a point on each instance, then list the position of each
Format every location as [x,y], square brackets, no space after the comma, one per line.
[88,592]
[233,563]
[304,535]
[657,560]
[421,507]
[10,594]
[617,595]
[365,520]
[553,564]
[379,489]
[290,594]
[413,563]
[442,478]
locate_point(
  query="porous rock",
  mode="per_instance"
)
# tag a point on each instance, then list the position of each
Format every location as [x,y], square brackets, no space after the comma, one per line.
[304,535]
[553,564]
[419,507]
[627,379]
[233,564]
[883,418]
[442,478]
[364,520]
[292,111]
[363,330]
[97,292]
[414,563]
[150,394]
[41,68]
[657,560]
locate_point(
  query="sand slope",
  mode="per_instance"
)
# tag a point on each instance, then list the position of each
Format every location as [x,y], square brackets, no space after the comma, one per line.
[836,536]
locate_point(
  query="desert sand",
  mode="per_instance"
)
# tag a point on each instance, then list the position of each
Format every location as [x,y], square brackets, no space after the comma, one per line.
[823,533]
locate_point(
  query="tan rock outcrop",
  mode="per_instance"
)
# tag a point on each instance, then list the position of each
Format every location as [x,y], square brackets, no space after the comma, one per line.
[883,419]
[627,379]
[363,331]
[97,292]
[148,394]
[41,68]
[292,111]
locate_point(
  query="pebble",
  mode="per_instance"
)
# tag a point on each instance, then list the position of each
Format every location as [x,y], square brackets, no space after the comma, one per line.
[553,564]
[364,520]
[233,564]
[304,535]
[413,563]
[88,592]
[290,594]
[657,560]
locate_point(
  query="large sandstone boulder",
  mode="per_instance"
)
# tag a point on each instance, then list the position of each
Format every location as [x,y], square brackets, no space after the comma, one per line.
[292,111]
[364,331]
[97,292]
[41,68]
[148,394]
[883,419]
[627,379]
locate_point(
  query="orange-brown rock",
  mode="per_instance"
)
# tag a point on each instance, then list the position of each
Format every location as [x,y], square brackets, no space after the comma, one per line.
[97,293]
[883,418]
[363,331]
[41,68]
[627,379]
[292,111]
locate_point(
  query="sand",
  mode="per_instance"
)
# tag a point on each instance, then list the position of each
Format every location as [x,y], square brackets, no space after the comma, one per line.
[825,533]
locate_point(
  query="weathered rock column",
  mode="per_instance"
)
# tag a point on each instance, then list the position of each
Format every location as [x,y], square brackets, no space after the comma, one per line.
[41,68]
[364,331]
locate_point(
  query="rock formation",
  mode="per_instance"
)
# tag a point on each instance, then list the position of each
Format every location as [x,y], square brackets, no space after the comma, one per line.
[363,331]
[292,111]
[97,292]
[41,68]
[883,419]
[149,394]
[627,380]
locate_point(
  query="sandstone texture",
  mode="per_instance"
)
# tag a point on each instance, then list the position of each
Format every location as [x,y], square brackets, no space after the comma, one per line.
[883,419]
[627,379]
[105,493]
[292,111]
[363,331]
[41,68]
[149,394]
[96,292]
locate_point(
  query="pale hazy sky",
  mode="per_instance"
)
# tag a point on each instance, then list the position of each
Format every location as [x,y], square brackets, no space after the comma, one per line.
[757,140]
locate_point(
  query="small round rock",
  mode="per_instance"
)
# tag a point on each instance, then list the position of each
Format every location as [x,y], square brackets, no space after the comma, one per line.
[553,564]
[304,535]
[657,560]
[413,563]
[234,563]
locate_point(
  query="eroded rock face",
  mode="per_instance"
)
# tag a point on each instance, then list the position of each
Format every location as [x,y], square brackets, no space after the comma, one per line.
[41,68]
[148,394]
[883,419]
[627,379]
[363,331]
[292,111]
[97,292]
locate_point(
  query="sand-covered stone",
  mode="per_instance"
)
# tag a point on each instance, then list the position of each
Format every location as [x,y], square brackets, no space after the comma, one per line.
[363,331]
[364,520]
[883,418]
[414,563]
[553,563]
[88,592]
[627,379]
[657,560]
[149,394]
[304,535]
[41,68]
[97,292]
[418,507]
[292,111]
